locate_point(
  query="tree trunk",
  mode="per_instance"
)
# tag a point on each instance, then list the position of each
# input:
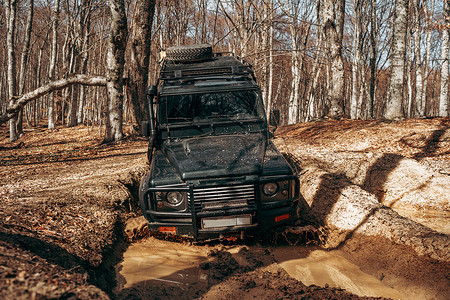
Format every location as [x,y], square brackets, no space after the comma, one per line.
[24,60]
[409,70]
[270,80]
[293,99]
[356,67]
[2,84]
[242,23]
[74,67]
[420,107]
[443,97]
[138,69]
[310,94]
[115,65]
[396,85]
[85,31]
[426,69]
[373,56]
[263,50]
[11,9]
[297,40]
[38,80]
[51,72]
[333,21]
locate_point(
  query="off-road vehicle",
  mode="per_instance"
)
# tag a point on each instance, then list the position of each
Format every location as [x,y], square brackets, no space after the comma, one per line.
[214,171]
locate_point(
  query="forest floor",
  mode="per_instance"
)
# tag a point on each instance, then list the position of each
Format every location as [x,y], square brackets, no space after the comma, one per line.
[66,199]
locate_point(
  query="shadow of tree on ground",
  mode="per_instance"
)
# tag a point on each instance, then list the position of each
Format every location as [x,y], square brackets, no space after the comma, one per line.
[332,185]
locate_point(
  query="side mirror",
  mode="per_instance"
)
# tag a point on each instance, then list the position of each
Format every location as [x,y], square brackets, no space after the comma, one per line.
[145,127]
[152,91]
[274,119]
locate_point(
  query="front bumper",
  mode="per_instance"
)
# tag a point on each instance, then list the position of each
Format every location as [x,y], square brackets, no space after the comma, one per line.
[265,220]
[203,225]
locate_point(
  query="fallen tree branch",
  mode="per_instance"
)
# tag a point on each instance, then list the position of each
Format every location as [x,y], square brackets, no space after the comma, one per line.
[20,101]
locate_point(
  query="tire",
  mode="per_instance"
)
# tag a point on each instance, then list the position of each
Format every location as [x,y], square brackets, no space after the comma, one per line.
[189,53]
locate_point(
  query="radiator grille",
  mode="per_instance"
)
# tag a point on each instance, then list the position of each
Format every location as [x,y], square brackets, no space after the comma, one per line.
[224,197]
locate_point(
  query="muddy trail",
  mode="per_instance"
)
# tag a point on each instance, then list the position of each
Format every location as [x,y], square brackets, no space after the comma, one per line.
[67,202]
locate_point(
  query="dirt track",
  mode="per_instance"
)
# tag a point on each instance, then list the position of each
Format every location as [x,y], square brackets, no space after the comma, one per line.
[65,199]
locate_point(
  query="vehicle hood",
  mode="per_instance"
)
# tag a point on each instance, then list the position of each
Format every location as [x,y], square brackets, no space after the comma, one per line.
[217,156]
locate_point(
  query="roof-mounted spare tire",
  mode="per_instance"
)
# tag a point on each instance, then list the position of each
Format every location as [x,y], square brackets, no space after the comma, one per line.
[189,53]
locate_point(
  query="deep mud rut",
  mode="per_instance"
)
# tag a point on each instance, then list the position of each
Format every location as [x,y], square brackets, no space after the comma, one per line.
[65,200]
[153,268]
[363,267]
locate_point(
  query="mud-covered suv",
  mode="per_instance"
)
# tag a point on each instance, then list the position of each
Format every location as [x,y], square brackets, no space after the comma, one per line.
[214,171]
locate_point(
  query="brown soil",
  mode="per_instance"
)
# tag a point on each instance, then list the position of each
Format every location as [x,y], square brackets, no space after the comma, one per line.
[64,199]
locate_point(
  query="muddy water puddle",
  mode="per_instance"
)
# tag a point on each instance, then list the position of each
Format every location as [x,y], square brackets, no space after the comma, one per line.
[167,268]
[154,264]
[329,268]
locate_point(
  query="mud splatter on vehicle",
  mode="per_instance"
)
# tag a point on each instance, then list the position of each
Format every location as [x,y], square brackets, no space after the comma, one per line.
[214,169]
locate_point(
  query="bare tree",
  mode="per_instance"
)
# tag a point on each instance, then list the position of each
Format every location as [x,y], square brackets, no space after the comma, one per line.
[298,13]
[24,60]
[443,97]
[51,70]
[115,61]
[138,65]
[373,56]
[426,63]
[355,104]
[271,54]
[420,107]
[396,85]
[86,12]
[263,47]
[293,13]
[409,72]
[70,52]
[11,9]
[242,10]
[333,26]
[316,70]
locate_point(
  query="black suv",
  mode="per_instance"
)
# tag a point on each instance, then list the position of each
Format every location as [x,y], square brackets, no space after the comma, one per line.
[214,170]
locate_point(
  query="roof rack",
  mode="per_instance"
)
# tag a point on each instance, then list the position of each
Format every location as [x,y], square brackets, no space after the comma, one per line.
[243,61]
[190,73]
[171,71]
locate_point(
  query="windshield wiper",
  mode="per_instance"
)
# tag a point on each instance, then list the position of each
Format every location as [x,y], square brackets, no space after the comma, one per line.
[187,120]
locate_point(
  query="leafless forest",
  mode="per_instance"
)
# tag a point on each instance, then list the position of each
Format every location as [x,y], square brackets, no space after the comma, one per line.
[89,61]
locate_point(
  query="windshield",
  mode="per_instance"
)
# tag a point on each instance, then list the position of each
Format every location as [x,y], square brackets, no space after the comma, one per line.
[229,105]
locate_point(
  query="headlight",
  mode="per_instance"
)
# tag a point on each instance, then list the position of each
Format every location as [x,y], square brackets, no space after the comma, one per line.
[270,189]
[174,198]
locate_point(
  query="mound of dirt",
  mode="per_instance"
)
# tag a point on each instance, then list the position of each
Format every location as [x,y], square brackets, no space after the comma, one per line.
[405,165]
[62,195]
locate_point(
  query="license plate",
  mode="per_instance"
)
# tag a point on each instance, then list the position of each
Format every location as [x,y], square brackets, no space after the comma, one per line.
[227,221]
